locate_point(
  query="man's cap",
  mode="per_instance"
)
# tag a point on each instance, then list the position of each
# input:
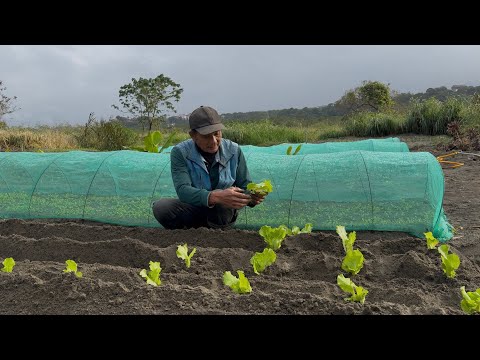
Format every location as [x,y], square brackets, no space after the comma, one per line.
[205,120]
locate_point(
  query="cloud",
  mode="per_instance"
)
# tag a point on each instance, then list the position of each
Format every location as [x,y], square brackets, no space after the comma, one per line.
[63,84]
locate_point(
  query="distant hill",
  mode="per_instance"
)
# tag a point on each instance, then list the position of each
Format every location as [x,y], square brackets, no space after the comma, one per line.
[317,113]
[441,93]
[306,113]
[320,112]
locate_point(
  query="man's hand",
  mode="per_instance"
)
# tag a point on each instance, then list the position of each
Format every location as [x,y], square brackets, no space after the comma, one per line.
[256,198]
[233,198]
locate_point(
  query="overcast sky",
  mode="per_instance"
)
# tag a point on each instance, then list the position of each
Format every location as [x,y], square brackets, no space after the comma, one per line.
[58,84]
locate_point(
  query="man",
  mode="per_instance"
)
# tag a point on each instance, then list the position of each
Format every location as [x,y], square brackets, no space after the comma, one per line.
[210,176]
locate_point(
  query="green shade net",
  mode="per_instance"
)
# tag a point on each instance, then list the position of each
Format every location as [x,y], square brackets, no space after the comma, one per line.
[361,190]
[387,145]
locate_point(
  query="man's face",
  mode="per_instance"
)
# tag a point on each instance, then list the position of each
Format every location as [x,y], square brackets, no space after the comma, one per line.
[208,143]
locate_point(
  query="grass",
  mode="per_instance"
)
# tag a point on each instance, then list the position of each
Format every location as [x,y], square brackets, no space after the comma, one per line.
[429,117]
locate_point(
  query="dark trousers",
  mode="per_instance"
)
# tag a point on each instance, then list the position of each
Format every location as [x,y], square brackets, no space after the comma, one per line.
[174,214]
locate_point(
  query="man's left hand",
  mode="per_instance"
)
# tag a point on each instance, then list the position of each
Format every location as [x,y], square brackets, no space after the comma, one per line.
[256,199]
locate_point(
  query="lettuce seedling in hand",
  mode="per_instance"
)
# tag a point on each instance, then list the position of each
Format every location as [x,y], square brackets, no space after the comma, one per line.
[240,285]
[262,188]
[8,264]
[262,260]
[72,267]
[471,301]
[450,262]
[182,253]
[347,285]
[431,241]
[273,236]
[153,276]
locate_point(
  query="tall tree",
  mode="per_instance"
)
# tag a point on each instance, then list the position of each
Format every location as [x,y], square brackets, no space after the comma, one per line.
[370,96]
[145,98]
[6,105]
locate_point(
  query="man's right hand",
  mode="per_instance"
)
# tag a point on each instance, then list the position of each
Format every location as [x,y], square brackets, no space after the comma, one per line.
[233,197]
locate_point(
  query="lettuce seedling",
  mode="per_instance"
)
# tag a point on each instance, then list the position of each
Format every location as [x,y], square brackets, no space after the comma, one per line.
[347,285]
[151,142]
[347,241]
[450,262]
[182,253]
[288,232]
[262,188]
[431,241]
[262,260]
[353,261]
[273,236]
[307,229]
[72,267]
[8,264]
[289,150]
[296,230]
[153,276]
[240,285]
[471,301]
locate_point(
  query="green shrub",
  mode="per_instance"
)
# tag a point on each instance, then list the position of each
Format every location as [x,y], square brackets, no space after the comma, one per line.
[366,124]
[431,116]
[107,136]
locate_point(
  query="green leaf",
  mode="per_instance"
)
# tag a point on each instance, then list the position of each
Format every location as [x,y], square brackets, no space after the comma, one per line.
[151,148]
[243,283]
[156,137]
[182,253]
[431,241]
[347,241]
[287,230]
[353,261]
[471,301]
[450,262]
[307,228]
[152,276]
[262,260]
[347,285]
[8,264]
[273,236]
[295,230]
[229,279]
[240,285]
[71,266]
[152,140]
[261,188]
[360,295]
[297,149]
[289,150]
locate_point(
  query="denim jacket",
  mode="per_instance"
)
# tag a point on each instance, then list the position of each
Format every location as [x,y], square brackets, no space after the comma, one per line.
[190,175]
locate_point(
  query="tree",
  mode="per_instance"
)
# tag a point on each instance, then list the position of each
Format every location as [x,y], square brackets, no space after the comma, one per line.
[371,96]
[144,98]
[6,106]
